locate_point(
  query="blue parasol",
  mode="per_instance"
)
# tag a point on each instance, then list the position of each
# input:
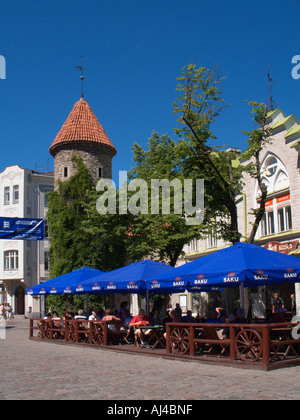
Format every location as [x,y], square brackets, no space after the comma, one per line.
[64,283]
[242,263]
[128,279]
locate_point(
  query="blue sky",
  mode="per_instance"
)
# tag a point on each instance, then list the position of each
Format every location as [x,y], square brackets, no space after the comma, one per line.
[133,52]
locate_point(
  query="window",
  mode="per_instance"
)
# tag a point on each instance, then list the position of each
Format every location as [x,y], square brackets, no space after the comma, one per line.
[275,175]
[99,172]
[193,245]
[11,260]
[46,224]
[211,240]
[6,195]
[46,261]
[65,172]
[267,223]
[15,194]
[271,227]
[271,166]
[278,216]
[46,195]
[284,215]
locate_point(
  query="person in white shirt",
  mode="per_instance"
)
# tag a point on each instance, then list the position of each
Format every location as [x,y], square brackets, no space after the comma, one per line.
[94,316]
[80,315]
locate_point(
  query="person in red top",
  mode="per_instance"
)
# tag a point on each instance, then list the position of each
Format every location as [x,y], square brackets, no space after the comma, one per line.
[140,319]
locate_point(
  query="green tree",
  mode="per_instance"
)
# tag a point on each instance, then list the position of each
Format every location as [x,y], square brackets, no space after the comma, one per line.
[80,236]
[159,235]
[199,103]
[258,138]
[69,247]
[107,235]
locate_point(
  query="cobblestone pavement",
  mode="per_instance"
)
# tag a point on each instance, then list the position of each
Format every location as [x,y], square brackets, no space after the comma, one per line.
[36,370]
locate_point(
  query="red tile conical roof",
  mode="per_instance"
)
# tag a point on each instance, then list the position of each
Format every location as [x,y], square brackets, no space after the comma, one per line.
[81,126]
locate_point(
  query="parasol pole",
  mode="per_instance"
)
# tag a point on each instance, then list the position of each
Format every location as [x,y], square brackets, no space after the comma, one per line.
[87,304]
[242,292]
[147,302]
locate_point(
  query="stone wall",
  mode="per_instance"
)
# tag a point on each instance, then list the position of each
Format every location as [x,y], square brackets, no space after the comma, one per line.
[97,159]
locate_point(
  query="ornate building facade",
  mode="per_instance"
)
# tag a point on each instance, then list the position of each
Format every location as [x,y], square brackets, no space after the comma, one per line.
[279,229]
[23,193]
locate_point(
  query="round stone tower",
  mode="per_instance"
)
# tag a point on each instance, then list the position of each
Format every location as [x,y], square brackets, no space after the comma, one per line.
[83,135]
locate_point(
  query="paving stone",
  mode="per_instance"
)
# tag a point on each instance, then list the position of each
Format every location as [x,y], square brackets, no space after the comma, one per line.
[39,370]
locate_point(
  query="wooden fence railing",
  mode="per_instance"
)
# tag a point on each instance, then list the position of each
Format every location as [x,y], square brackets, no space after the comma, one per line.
[248,343]
[75,331]
[263,343]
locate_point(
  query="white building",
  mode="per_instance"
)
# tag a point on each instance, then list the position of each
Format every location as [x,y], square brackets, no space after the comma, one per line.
[280,228]
[23,193]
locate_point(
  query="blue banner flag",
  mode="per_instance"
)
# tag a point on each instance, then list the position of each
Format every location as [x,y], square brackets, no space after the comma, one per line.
[22,228]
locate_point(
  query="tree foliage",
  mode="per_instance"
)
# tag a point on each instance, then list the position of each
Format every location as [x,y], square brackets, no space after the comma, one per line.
[108,235]
[160,235]
[69,248]
[199,103]
[258,138]
[80,236]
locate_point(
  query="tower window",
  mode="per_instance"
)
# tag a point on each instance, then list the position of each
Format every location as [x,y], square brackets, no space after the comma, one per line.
[65,172]
[100,173]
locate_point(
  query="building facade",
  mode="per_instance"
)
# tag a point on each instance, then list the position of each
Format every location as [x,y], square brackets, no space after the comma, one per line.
[23,193]
[279,229]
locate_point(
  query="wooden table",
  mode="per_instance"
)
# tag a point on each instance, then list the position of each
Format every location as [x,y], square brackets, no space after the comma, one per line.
[156,333]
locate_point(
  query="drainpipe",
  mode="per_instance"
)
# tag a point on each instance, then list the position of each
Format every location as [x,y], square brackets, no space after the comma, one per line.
[245,213]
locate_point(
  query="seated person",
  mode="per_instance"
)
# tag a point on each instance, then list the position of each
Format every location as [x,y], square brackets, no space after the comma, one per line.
[94,316]
[214,318]
[188,317]
[139,320]
[127,319]
[122,310]
[167,318]
[80,315]
[174,318]
[278,317]
[56,320]
[178,310]
[240,316]
[233,316]
[67,316]
[223,316]
[113,328]
[152,318]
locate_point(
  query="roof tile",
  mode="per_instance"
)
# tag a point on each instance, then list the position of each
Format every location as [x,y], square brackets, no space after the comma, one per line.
[81,126]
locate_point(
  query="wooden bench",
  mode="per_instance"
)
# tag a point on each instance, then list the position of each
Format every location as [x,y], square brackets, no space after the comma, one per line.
[210,336]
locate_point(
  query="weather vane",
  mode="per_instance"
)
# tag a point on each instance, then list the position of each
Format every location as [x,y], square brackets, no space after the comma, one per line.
[81,77]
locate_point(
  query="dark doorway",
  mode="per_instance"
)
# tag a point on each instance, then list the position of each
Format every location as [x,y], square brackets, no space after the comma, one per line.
[20,301]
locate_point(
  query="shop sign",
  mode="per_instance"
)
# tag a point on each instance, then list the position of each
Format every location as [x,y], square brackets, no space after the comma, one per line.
[283,247]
